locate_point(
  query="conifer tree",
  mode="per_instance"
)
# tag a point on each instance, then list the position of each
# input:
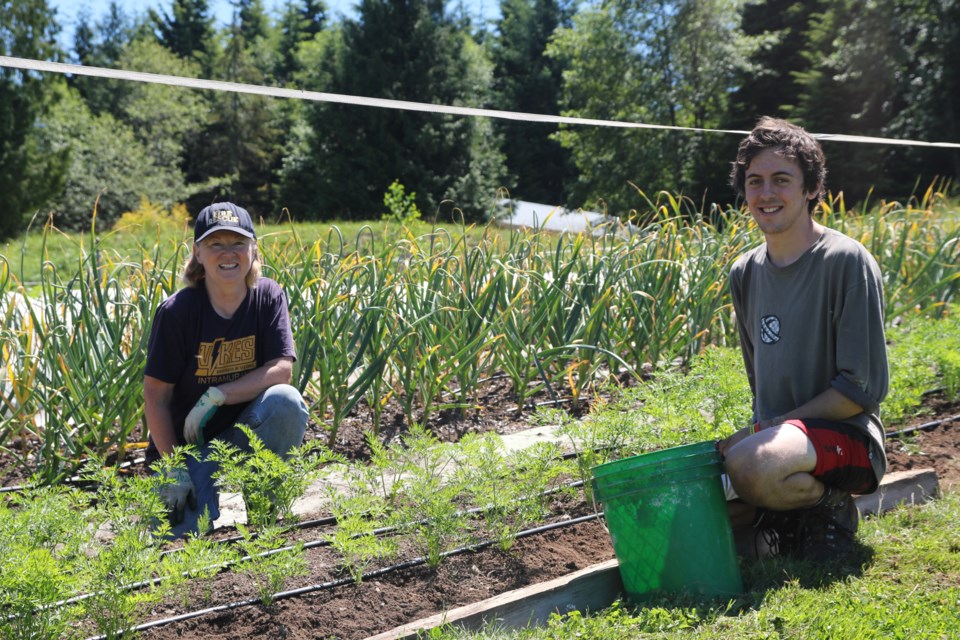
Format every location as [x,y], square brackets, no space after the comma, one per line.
[529,81]
[301,21]
[188,30]
[404,50]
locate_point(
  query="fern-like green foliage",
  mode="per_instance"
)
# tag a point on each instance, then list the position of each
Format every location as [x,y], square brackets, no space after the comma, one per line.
[268,562]
[709,401]
[924,355]
[268,482]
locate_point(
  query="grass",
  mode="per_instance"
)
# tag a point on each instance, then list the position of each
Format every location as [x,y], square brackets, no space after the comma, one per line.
[905,583]
[28,253]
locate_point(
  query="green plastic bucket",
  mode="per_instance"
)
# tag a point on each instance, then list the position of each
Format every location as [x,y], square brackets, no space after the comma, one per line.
[667,517]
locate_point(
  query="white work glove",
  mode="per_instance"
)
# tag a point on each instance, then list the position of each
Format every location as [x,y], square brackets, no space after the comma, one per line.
[177,494]
[201,413]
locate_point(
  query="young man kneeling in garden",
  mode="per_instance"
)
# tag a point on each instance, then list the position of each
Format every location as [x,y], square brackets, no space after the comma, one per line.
[809,308]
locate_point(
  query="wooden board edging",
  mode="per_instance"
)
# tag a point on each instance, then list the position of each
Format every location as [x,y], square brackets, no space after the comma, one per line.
[593,588]
[915,486]
[598,586]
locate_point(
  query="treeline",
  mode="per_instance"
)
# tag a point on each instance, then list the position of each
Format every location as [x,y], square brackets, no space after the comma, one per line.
[886,68]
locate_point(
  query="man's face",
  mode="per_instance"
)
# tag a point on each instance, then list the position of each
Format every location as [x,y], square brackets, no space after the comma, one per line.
[775,195]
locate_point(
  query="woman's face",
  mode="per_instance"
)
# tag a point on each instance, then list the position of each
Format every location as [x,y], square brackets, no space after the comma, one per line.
[226,257]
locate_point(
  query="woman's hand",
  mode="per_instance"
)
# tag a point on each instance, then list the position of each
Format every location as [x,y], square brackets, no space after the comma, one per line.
[201,413]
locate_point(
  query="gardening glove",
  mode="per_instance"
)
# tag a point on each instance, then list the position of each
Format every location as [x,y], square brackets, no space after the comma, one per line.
[178,494]
[200,414]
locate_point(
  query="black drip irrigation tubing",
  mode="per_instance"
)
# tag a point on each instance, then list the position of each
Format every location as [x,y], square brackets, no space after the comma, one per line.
[76,480]
[927,426]
[307,524]
[415,562]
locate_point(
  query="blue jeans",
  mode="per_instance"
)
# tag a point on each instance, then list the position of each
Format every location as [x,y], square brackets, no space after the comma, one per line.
[278,416]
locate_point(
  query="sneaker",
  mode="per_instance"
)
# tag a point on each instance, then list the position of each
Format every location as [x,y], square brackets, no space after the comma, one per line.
[830,528]
[777,533]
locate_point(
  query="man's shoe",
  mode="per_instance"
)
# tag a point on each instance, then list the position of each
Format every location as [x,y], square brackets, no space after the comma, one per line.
[830,528]
[777,533]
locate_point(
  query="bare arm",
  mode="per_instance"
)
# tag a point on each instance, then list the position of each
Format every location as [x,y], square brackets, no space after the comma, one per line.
[158,396]
[829,405]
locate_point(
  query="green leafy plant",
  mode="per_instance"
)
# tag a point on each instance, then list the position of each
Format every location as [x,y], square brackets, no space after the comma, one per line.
[40,547]
[429,496]
[30,587]
[356,541]
[124,551]
[401,206]
[509,487]
[946,352]
[920,348]
[196,564]
[707,402]
[948,364]
[268,483]
[268,562]
[360,507]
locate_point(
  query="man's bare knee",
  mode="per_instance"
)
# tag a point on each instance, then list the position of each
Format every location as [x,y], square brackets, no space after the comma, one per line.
[743,469]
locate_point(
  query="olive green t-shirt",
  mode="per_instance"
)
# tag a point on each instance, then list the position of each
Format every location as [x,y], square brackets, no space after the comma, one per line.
[811,325]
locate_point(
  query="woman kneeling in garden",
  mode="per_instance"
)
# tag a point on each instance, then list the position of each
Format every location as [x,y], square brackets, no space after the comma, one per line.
[221,353]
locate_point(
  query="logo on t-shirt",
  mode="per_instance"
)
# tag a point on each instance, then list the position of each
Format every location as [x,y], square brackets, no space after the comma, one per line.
[770,329]
[220,360]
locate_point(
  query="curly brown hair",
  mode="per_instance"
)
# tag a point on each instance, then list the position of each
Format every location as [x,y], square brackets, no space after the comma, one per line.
[789,141]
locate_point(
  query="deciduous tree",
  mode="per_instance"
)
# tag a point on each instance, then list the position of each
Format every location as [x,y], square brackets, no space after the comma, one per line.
[654,62]
[29,173]
[106,162]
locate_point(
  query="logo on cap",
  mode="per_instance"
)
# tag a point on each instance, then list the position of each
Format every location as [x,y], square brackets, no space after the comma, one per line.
[225,216]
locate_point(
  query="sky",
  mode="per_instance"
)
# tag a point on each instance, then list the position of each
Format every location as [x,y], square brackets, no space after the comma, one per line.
[68,10]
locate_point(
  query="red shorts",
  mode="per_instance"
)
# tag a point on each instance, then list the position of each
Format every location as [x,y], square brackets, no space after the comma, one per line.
[843,455]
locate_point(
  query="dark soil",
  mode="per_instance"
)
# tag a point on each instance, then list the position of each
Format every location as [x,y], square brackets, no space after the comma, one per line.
[359,611]
[937,446]
[392,599]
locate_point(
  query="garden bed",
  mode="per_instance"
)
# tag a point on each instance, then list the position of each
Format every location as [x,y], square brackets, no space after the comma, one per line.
[380,604]
[354,611]
[383,602]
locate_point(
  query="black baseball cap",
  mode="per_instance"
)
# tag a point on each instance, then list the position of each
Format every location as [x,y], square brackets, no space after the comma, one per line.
[223,216]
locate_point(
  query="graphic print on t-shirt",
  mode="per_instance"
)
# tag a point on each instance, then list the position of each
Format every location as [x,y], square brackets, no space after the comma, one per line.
[770,329]
[220,360]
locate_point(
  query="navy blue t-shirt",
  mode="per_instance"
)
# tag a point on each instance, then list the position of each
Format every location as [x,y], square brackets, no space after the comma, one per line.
[193,348]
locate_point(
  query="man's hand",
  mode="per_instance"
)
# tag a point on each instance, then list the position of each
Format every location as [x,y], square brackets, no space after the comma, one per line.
[724,445]
[201,413]
[177,494]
